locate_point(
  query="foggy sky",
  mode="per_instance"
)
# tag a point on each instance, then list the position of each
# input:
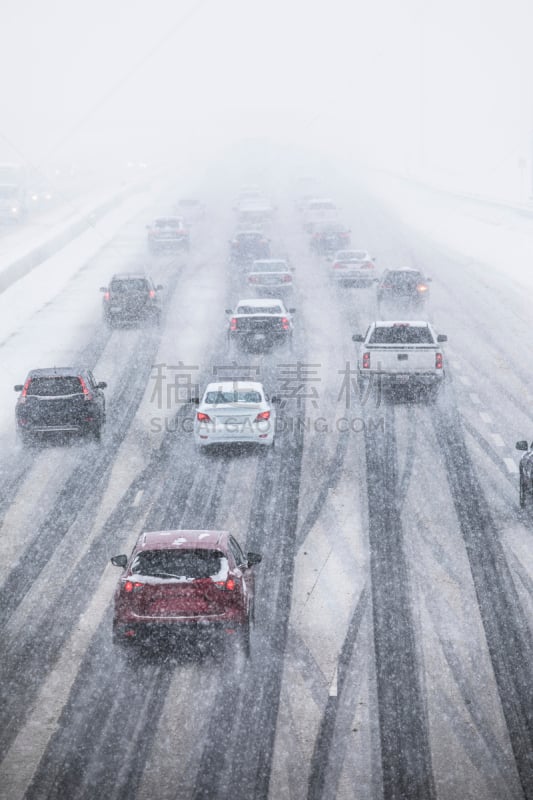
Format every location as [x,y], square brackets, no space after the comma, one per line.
[446,85]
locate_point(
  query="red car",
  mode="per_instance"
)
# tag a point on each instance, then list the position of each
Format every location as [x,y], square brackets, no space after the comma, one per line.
[185,581]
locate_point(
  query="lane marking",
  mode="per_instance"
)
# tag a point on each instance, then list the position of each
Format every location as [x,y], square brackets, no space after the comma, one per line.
[333,685]
[475,399]
[486,417]
[511,466]
[497,439]
[137,498]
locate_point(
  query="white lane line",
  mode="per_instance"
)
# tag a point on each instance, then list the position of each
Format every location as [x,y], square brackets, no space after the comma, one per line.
[333,685]
[497,439]
[475,399]
[137,498]
[465,379]
[486,417]
[511,466]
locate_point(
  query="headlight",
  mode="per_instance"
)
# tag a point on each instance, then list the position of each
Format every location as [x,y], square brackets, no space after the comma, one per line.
[15,210]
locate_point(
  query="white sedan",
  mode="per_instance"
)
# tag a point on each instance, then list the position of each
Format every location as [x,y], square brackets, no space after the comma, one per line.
[232,412]
[356,267]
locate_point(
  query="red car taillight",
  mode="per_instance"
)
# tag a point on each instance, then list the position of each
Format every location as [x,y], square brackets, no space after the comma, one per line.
[339,265]
[421,288]
[25,390]
[285,323]
[233,324]
[106,296]
[201,417]
[262,415]
[438,360]
[86,392]
[253,279]
[151,294]
[366,360]
[287,279]
[228,584]
[368,265]
[130,586]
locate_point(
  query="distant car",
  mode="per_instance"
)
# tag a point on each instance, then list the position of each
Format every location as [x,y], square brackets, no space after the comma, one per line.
[270,276]
[355,267]
[403,287]
[184,581]
[327,237]
[235,412]
[318,210]
[131,297]
[257,324]
[191,210]
[248,245]
[168,234]
[525,474]
[59,400]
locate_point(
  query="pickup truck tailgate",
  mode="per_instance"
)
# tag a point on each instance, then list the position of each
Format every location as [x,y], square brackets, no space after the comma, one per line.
[394,359]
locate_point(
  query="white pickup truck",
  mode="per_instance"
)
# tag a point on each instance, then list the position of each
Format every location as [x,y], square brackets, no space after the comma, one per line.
[403,352]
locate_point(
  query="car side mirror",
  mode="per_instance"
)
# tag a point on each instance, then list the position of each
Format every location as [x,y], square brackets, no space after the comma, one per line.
[374,258]
[159,287]
[119,561]
[442,338]
[19,387]
[292,311]
[195,401]
[428,280]
[103,288]
[522,445]
[147,227]
[101,385]
[358,337]
[229,311]
[275,399]
[253,558]
[329,258]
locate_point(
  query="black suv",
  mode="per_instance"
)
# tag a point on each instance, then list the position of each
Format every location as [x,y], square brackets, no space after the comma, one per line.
[60,400]
[247,246]
[328,237]
[131,297]
[404,287]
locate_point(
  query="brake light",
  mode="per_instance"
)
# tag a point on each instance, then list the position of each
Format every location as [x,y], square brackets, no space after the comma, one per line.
[25,388]
[368,265]
[438,360]
[106,296]
[86,392]
[129,586]
[201,417]
[233,324]
[339,265]
[228,584]
[262,415]
[366,360]
[421,287]
[253,279]
[287,279]
[285,323]
[151,294]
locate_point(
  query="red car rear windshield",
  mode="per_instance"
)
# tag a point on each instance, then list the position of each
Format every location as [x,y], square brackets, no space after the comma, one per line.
[54,387]
[191,564]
